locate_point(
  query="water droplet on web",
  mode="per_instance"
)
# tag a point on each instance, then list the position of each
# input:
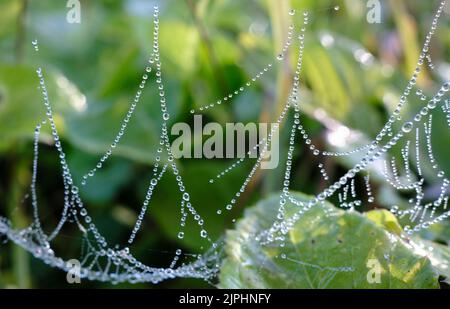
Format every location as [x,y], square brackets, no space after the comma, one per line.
[74,190]
[166,116]
[35,44]
[336,8]
[280,57]
[407,127]
[186,196]
[181,235]
[292,12]
[203,233]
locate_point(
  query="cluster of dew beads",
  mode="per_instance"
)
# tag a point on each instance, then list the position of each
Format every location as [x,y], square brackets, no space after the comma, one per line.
[116,263]
[400,173]
[446,111]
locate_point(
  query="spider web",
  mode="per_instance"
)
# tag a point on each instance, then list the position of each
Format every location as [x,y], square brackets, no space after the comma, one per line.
[103,261]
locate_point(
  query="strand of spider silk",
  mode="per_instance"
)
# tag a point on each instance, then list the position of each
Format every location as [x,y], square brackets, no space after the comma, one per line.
[367,159]
[405,155]
[411,82]
[181,232]
[165,117]
[419,198]
[69,199]
[418,165]
[67,177]
[237,162]
[256,165]
[227,98]
[36,221]
[293,98]
[275,127]
[153,183]
[253,170]
[428,128]
[445,184]
[370,198]
[123,126]
[426,224]
[395,173]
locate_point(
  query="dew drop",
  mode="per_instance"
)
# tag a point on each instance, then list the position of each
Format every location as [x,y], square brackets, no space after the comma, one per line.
[74,190]
[186,196]
[292,12]
[407,127]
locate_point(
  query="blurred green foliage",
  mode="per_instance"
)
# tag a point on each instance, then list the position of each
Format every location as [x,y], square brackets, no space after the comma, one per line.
[208,49]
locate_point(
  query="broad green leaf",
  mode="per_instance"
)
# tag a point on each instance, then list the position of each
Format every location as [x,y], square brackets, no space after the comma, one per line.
[327,248]
[438,254]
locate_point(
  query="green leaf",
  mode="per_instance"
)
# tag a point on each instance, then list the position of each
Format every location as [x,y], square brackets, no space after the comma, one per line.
[438,254]
[327,248]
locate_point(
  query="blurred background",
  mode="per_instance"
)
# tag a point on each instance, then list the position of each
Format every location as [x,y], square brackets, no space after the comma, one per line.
[354,73]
